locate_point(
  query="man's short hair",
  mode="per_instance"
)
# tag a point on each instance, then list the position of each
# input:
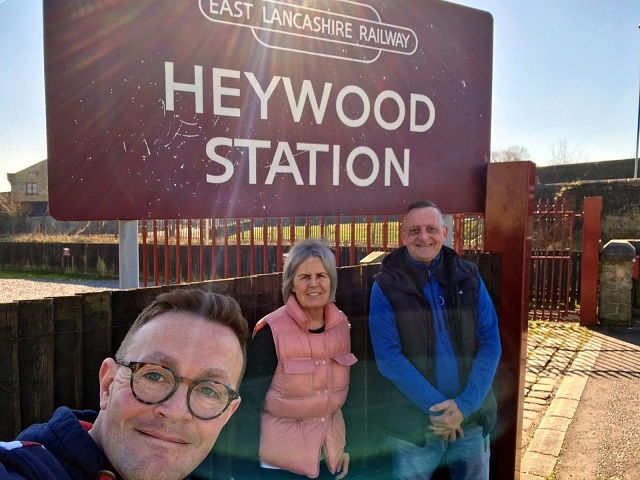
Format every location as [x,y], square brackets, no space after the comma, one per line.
[211,306]
[425,204]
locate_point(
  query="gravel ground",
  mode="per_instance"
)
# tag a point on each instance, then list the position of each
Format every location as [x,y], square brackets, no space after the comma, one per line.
[19,289]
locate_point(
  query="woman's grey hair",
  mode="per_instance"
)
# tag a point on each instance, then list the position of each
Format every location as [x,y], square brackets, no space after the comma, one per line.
[303,250]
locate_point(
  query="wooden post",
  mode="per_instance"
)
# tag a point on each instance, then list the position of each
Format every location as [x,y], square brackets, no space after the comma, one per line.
[96,343]
[35,328]
[9,372]
[590,261]
[508,229]
[67,324]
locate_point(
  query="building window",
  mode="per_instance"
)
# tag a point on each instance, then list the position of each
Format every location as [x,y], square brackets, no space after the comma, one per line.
[32,188]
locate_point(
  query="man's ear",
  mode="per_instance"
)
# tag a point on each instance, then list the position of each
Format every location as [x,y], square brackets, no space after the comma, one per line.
[231,410]
[107,375]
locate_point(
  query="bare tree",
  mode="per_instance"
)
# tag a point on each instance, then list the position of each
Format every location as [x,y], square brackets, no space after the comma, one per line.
[563,154]
[13,214]
[515,153]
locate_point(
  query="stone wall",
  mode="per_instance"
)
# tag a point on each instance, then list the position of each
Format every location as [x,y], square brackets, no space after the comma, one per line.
[620,203]
[615,302]
[574,172]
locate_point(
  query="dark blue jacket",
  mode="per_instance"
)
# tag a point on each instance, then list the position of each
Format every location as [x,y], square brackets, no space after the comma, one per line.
[404,302]
[61,449]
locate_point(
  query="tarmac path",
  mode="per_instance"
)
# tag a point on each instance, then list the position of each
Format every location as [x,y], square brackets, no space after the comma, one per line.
[603,439]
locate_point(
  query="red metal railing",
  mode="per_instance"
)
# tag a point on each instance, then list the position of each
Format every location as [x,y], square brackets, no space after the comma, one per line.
[551,261]
[468,232]
[223,248]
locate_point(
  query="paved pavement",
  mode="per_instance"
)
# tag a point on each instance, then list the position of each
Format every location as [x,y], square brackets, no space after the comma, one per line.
[582,396]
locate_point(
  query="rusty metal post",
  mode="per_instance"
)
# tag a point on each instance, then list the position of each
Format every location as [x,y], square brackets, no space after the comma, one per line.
[145,266]
[201,245]
[252,250]
[590,258]
[167,266]
[337,240]
[238,247]
[279,259]
[508,229]
[189,251]
[458,243]
[178,253]
[265,245]
[225,252]
[214,250]
[155,253]
[352,252]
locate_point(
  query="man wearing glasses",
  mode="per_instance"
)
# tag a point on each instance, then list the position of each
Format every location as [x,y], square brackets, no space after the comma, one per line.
[163,400]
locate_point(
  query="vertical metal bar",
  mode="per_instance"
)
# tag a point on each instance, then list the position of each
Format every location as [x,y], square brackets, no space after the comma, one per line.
[214,249]
[167,265]
[458,240]
[201,244]
[279,244]
[553,284]
[265,245]
[307,227]
[545,283]
[292,230]
[352,257]
[337,240]
[189,252]
[322,221]
[369,219]
[385,234]
[178,253]
[539,259]
[238,247]
[252,250]
[155,253]
[226,248]
[569,250]
[145,266]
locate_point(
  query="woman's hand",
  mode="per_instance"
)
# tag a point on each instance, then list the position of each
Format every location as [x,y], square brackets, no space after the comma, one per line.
[343,469]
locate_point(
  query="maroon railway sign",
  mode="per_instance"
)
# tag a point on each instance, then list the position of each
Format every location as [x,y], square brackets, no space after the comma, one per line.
[193,108]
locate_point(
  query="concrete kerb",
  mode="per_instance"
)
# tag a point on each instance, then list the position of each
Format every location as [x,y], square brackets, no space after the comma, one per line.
[541,454]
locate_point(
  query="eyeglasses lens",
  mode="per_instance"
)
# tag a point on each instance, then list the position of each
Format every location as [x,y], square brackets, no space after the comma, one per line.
[155,384]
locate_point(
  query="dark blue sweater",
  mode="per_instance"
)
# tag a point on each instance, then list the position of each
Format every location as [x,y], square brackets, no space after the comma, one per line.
[60,449]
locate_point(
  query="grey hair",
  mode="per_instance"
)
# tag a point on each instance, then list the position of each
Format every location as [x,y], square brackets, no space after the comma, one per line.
[303,250]
[425,204]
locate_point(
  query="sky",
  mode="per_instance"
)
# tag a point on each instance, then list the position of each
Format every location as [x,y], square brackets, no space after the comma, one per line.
[565,73]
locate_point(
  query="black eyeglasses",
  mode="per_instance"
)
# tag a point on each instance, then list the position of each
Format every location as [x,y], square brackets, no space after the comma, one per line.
[153,384]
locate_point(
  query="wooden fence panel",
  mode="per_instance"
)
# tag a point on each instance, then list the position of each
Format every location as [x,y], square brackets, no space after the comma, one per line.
[246,295]
[126,305]
[96,343]
[9,372]
[67,325]
[268,296]
[95,323]
[35,354]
